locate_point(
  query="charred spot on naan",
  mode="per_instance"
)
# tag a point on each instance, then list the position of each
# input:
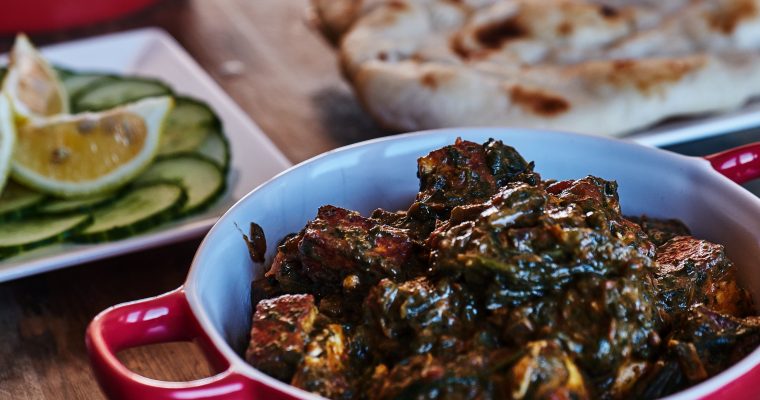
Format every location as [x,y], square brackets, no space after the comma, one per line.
[648,76]
[608,11]
[575,17]
[538,102]
[429,80]
[455,43]
[565,28]
[458,47]
[398,5]
[725,19]
[534,20]
[417,57]
[433,78]
[495,34]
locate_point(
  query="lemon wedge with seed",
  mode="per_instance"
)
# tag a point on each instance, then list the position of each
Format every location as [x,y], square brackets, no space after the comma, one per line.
[89,153]
[7,139]
[32,85]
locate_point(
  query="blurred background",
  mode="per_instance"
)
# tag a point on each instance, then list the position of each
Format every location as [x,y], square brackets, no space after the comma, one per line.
[269,56]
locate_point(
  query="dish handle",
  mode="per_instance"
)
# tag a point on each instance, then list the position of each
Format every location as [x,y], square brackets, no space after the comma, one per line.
[161,319]
[740,164]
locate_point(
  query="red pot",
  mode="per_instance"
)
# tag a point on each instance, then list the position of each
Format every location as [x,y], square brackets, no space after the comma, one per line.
[213,306]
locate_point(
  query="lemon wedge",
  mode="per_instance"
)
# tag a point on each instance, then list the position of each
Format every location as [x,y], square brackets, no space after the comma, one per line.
[32,84]
[7,139]
[89,153]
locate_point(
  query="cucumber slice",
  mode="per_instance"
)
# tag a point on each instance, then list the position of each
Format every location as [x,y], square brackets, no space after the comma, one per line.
[67,206]
[201,178]
[76,83]
[216,148]
[187,127]
[17,236]
[140,208]
[113,92]
[63,73]
[17,201]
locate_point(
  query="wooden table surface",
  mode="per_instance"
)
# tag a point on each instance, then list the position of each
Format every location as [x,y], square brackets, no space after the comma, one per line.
[267,55]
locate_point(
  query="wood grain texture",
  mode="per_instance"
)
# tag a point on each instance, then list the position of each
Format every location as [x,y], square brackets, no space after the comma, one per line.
[290,83]
[43,319]
[277,67]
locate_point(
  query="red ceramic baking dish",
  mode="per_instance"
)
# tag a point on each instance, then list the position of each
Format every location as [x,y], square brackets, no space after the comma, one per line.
[49,15]
[213,307]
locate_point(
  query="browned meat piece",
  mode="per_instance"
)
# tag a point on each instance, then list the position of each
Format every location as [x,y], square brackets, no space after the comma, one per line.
[591,193]
[324,368]
[599,199]
[661,230]
[467,173]
[419,220]
[392,218]
[339,256]
[708,342]
[420,315]
[546,372]
[279,332]
[340,249]
[453,176]
[691,271]
[507,165]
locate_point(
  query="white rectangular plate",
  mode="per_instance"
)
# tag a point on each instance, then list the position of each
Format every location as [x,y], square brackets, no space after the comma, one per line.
[700,127]
[153,53]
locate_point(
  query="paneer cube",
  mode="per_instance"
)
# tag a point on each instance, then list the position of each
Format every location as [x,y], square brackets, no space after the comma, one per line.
[279,334]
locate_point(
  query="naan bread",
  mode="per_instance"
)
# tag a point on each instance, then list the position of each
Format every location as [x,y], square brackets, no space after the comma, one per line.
[606,67]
